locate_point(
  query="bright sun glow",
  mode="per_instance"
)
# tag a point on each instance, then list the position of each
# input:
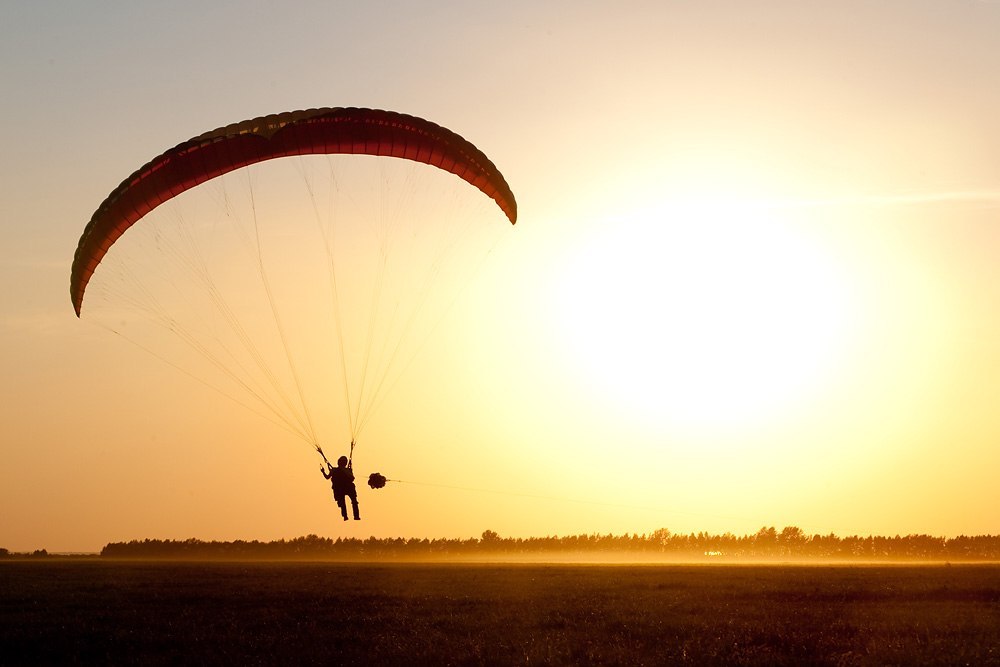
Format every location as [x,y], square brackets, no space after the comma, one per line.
[705,314]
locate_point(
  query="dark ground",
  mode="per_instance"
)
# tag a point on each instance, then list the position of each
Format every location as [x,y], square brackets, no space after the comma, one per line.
[55,611]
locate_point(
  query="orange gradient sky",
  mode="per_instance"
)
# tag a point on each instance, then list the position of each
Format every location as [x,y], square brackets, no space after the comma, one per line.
[754,279]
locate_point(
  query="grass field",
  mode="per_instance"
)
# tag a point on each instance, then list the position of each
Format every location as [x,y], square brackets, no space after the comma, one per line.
[55,611]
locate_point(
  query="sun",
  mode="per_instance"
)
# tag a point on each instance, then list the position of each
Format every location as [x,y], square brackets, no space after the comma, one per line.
[705,314]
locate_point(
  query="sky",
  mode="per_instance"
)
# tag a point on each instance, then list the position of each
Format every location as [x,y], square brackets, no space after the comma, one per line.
[753,282]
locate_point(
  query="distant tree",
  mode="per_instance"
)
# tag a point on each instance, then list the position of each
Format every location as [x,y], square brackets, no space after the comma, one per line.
[765,541]
[791,540]
[661,538]
[4,553]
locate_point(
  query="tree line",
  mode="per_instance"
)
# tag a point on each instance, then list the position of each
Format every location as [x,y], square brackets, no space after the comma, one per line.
[767,543]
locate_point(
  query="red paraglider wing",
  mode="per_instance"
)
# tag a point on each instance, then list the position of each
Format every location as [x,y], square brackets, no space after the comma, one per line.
[314,131]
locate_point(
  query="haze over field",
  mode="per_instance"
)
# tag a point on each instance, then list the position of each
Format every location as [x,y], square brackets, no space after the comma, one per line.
[753,279]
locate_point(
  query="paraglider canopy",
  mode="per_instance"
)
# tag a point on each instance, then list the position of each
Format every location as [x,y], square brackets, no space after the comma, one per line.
[279,294]
[313,131]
